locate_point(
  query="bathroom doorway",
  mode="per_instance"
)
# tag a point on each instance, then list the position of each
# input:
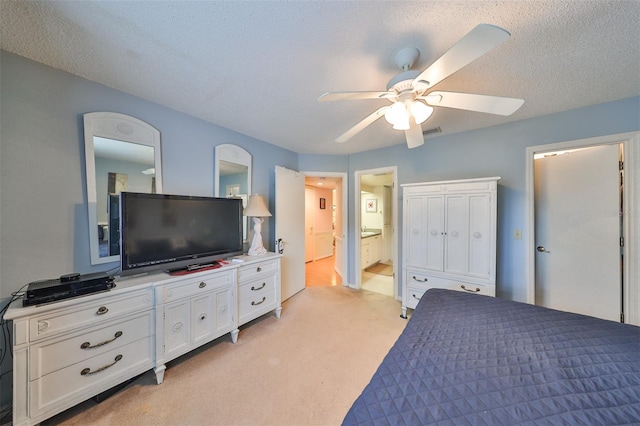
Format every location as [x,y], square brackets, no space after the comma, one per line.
[376,220]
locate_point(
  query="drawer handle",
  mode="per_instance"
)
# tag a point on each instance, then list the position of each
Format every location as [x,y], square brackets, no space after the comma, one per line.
[88,372]
[257,303]
[415,297]
[202,317]
[419,280]
[258,269]
[258,288]
[87,345]
[471,290]
[102,310]
[203,284]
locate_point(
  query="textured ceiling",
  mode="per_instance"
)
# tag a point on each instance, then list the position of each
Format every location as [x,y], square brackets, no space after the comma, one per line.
[258,67]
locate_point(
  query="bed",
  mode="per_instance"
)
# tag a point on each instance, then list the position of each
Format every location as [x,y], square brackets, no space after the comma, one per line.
[467,359]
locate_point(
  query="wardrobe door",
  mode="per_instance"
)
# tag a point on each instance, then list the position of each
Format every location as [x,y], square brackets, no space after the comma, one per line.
[456,234]
[434,232]
[415,251]
[480,235]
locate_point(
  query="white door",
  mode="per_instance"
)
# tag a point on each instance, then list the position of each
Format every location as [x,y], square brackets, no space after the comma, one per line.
[309,197]
[577,224]
[289,220]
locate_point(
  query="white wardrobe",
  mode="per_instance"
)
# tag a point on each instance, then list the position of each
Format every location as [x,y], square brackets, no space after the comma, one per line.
[449,237]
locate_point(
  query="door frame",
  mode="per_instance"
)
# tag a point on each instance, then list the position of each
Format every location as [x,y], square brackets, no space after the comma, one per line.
[345,214]
[631,209]
[394,224]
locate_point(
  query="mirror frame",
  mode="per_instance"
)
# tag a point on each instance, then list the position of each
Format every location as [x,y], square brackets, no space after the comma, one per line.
[120,127]
[231,154]
[237,155]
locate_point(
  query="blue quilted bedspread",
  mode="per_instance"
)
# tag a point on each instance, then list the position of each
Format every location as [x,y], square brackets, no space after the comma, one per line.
[466,359]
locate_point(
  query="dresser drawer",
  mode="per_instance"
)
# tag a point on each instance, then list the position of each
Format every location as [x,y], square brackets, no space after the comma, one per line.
[257,304]
[69,385]
[54,354]
[250,272]
[193,286]
[257,288]
[95,312]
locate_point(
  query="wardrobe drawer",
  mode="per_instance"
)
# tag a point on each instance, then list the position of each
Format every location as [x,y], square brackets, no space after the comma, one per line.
[85,379]
[193,286]
[414,294]
[54,354]
[95,312]
[257,288]
[421,282]
[250,272]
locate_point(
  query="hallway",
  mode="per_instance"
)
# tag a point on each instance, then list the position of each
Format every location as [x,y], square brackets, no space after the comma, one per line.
[321,273]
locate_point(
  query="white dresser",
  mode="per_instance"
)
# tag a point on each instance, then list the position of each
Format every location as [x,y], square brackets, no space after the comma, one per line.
[449,237]
[68,351]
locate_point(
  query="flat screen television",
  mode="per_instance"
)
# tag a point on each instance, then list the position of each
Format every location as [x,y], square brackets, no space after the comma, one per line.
[172,232]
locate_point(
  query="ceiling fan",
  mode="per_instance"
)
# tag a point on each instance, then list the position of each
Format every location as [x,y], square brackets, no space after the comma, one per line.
[409,92]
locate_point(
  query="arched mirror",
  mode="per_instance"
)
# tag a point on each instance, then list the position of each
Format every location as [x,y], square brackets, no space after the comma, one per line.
[233,175]
[122,153]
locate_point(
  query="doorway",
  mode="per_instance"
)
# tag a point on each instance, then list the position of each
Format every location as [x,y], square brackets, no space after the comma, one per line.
[630,144]
[376,222]
[325,216]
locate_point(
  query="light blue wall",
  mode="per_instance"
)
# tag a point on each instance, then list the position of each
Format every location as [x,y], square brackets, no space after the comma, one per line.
[43,211]
[493,151]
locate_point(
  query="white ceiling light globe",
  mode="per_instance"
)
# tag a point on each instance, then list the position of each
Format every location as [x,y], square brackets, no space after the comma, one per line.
[420,111]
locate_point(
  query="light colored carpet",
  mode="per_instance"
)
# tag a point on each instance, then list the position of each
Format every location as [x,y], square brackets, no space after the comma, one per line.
[305,368]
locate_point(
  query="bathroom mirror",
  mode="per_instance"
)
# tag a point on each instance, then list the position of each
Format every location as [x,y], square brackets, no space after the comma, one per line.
[232,175]
[122,153]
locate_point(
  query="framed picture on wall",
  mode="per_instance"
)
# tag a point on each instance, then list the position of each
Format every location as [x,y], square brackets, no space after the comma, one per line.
[372,205]
[323,203]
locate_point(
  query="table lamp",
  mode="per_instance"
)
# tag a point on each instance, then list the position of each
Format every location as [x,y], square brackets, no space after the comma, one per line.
[257,209]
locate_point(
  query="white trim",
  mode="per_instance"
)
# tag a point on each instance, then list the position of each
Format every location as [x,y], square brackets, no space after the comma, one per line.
[631,152]
[632,230]
[394,224]
[345,216]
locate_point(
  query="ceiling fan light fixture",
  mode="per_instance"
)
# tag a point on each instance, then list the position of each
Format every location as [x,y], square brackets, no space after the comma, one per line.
[420,111]
[402,124]
[396,114]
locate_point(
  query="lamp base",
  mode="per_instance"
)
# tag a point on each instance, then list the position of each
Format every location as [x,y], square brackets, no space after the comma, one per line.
[256,248]
[257,252]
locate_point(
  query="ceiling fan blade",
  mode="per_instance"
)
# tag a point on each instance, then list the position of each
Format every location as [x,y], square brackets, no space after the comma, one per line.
[472,102]
[361,125]
[414,134]
[476,43]
[338,96]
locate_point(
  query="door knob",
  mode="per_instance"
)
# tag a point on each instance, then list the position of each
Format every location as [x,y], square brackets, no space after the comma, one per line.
[542,249]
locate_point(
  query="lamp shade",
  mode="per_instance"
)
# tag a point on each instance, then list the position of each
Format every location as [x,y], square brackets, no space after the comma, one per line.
[256,207]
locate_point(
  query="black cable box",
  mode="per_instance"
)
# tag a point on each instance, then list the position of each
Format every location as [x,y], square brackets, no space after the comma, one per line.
[65,287]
